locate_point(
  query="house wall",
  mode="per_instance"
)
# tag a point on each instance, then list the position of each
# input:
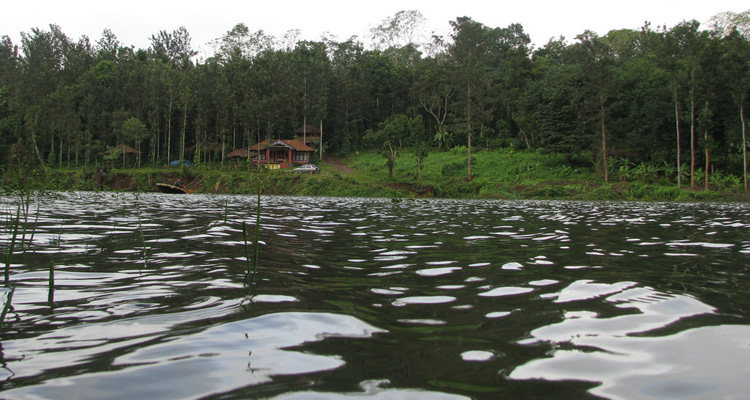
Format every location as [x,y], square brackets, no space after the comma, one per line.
[274,156]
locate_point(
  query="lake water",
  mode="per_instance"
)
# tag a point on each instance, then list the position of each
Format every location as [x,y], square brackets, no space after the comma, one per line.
[375,298]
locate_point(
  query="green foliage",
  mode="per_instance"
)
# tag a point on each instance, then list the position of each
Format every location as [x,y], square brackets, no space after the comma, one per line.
[454,169]
[62,102]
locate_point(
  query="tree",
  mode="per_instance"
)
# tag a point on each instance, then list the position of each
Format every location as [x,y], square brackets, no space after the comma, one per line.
[551,104]
[240,43]
[402,29]
[511,69]
[175,52]
[468,54]
[173,48]
[667,51]
[690,41]
[434,89]
[705,123]
[597,64]
[134,130]
[727,22]
[418,139]
[391,133]
[738,71]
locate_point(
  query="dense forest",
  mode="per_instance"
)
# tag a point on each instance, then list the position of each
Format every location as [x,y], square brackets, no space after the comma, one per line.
[656,96]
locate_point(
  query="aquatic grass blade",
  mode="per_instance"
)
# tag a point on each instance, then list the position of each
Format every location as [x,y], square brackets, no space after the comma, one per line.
[11,247]
[8,306]
[51,295]
[257,239]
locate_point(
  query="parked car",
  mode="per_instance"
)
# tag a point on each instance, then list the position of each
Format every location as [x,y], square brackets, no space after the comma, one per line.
[308,168]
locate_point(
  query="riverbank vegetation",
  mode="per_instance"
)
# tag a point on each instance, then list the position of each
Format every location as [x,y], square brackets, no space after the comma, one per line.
[498,174]
[480,112]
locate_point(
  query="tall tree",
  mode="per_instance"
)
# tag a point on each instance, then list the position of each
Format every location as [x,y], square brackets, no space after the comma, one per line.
[175,52]
[435,89]
[737,69]
[468,53]
[690,40]
[668,54]
[401,29]
[597,63]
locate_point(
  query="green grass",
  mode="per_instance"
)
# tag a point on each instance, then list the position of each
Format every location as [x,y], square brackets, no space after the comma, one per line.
[497,174]
[508,174]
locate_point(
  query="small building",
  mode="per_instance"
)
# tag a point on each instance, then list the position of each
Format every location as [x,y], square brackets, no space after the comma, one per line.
[308,134]
[284,153]
[239,153]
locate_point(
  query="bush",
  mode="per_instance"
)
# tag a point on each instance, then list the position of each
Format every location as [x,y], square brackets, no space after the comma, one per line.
[459,151]
[454,169]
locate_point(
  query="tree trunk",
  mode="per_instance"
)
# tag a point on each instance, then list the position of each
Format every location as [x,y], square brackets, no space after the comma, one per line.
[392,160]
[525,137]
[169,130]
[33,142]
[692,129]
[705,140]
[677,126]
[744,141]
[468,125]
[603,113]
[304,114]
[439,115]
[184,131]
[419,169]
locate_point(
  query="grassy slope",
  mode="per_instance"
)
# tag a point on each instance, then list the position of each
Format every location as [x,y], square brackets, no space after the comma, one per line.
[526,175]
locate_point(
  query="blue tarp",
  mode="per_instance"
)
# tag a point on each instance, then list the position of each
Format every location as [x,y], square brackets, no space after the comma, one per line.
[184,162]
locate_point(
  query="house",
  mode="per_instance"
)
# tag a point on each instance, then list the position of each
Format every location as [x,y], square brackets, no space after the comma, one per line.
[281,152]
[308,134]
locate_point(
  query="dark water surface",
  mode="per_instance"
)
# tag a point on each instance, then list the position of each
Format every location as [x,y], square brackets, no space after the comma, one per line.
[363,298]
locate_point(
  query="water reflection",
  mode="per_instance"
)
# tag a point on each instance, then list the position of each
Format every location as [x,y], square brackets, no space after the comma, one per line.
[378,299]
[706,362]
[221,358]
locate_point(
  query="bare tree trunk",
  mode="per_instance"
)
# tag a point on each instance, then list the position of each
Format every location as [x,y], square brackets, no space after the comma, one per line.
[439,115]
[603,113]
[169,130]
[321,141]
[744,141]
[33,142]
[184,131]
[677,126]
[705,140]
[468,125]
[525,137]
[692,130]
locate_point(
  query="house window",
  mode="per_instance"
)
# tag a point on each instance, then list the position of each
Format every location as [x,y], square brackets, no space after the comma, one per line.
[299,156]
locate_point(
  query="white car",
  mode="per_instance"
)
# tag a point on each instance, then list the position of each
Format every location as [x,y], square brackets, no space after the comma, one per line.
[308,168]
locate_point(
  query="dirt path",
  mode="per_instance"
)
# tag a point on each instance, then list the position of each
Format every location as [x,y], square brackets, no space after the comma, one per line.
[339,165]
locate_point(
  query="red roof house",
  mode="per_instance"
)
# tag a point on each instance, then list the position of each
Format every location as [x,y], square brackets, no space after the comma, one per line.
[283,152]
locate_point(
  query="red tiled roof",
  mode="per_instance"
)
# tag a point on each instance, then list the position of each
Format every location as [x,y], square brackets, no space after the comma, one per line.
[294,144]
[298,145]
[261,145]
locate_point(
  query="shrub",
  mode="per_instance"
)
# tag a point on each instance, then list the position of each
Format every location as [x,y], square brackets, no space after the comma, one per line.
[459,151]
[454,169]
